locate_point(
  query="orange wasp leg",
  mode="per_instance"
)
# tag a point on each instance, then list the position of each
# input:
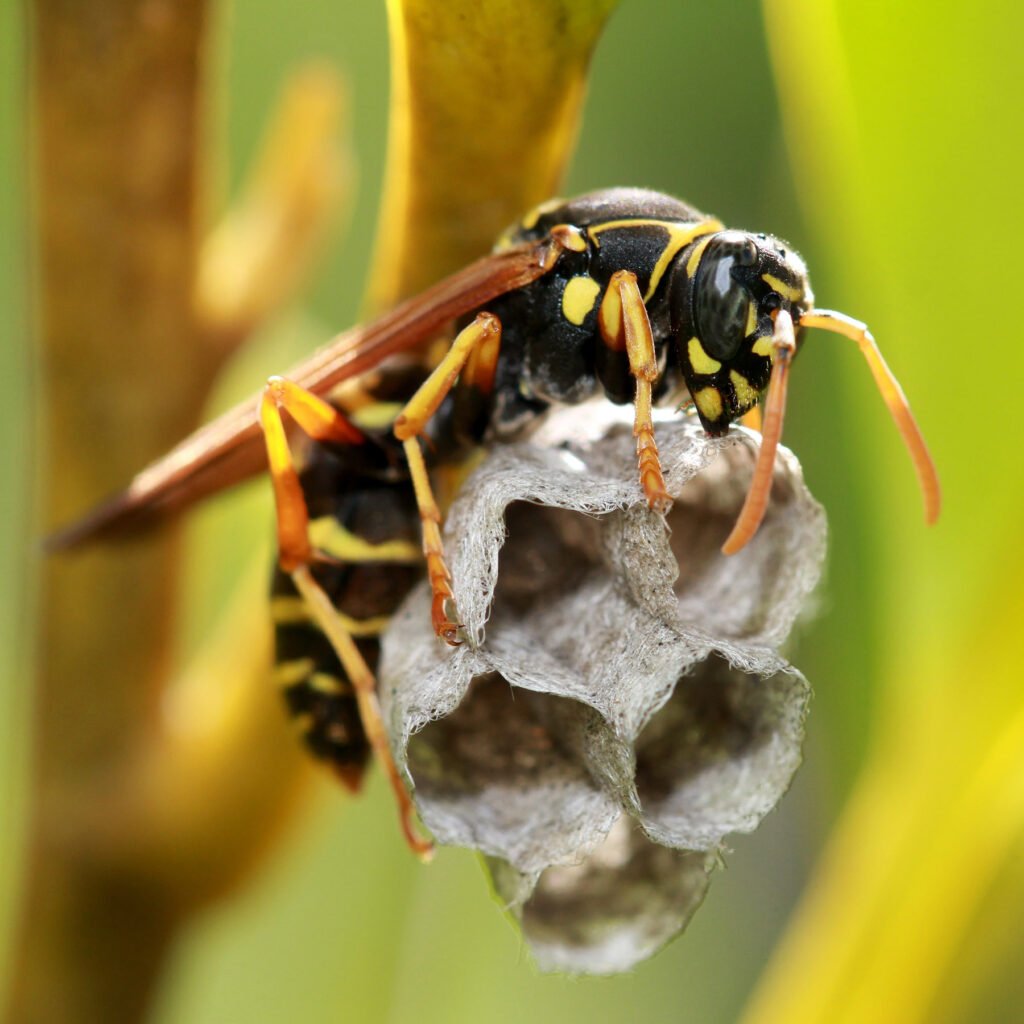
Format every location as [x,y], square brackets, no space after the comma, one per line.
[365,686]
[756,503]
[624,323]
[320,421]
[483,332]
[892,394]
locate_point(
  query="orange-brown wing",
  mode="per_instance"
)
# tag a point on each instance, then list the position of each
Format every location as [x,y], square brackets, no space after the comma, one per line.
[230,449]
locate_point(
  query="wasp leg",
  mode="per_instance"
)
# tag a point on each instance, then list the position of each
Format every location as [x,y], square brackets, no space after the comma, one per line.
[623,322]
[323,422]
[320,421]
[756,503]
[483,333]
[365,686]
[752,418]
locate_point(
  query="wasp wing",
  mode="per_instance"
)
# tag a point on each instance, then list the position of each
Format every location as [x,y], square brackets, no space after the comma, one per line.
[230,449]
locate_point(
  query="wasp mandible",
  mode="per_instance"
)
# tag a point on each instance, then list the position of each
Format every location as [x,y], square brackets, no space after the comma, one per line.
[624,292]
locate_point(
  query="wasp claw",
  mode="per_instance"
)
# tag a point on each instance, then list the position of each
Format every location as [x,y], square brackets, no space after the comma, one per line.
[444,628]
[450,634]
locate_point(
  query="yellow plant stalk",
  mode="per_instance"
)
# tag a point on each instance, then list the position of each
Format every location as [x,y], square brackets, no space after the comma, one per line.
[937,814]
[485,103]
[915,852]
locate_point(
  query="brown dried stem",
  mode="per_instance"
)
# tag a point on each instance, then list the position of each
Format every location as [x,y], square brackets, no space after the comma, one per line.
[122,849]
[116,103]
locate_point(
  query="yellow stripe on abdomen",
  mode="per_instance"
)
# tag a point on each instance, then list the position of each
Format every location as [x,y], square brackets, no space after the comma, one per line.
[292,611]
[328,535]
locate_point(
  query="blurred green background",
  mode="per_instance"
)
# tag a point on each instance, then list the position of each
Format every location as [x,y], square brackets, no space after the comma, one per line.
[888,153]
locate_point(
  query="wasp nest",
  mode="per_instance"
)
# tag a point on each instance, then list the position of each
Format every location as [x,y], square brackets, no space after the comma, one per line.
[620,705]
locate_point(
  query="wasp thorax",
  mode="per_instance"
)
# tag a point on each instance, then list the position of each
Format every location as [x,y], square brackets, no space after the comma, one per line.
[721,296]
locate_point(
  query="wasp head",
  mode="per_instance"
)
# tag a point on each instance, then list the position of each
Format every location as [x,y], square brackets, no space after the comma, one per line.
[727,290]
[739,304]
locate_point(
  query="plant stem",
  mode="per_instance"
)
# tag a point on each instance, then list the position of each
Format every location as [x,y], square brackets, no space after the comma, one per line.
[115,100]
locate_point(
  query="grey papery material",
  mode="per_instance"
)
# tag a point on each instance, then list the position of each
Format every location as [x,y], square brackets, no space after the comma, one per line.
[620,704]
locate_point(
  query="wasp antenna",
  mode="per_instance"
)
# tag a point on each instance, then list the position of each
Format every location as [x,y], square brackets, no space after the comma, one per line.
[784,345]
[839,323]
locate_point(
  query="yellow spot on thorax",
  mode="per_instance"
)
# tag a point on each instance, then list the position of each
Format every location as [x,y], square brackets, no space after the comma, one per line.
[699,359]
[746,396]
[679,236]
[763,346]
[709,401]
[579,297]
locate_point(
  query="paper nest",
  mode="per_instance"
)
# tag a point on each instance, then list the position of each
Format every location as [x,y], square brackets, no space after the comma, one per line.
[620,705]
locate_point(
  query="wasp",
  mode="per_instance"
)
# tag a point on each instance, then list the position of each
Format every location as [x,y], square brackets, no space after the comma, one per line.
[624,292]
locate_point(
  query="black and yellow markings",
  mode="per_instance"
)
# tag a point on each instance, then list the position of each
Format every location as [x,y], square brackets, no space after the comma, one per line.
[365,690]
[673,273]
[318,420]
[326,534]
[792,293]
[289,673]
[529,222]
[569,237]
[375,416]
[357,401]
[418,410]
[679,236]
[693,262]
[699,359]
[304,672]
[643,365]
[746,395]
[329,684]
[709,401]
[751,327]
[292,611]
[578,299]
[484,330]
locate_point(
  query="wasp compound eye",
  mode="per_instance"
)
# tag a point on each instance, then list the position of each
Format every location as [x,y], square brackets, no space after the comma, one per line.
[720,298]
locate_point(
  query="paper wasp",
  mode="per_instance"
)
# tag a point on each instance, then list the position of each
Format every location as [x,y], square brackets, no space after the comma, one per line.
[626,292]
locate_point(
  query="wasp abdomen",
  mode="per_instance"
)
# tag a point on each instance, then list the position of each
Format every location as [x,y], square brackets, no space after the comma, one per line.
[363,519]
